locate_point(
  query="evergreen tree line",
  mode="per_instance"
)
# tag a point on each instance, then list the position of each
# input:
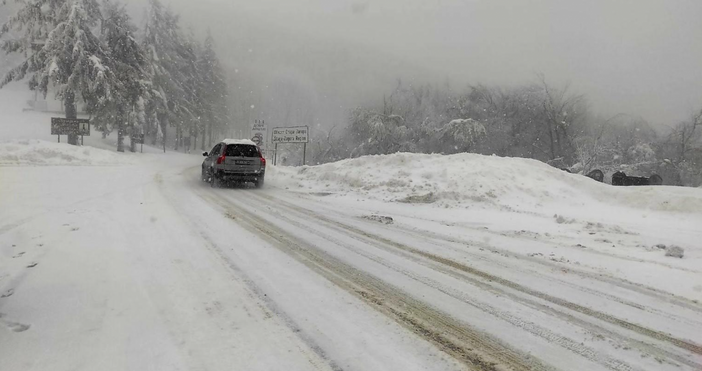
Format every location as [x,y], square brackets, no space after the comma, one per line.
[128,80]
[535,120]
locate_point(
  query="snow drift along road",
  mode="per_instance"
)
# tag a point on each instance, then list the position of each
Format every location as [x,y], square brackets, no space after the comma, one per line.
[43,153]
[475,181]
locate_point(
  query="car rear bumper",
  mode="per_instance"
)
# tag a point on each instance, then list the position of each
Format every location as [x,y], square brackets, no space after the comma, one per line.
[241,177]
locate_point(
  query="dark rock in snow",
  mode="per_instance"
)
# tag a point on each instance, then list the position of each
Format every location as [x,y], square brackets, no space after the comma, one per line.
[597,175]
[379,219]
[621,179]
[675,252]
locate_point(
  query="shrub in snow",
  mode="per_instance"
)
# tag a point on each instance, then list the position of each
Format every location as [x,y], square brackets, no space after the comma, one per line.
[560,219]
[675,252]
[419,199]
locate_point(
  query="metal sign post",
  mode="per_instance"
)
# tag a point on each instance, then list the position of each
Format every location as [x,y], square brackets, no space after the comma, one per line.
[275,155]
[139,139]
[259,134]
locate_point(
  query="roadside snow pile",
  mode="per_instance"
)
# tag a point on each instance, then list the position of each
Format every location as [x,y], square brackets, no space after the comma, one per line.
[43,153]
[476,180]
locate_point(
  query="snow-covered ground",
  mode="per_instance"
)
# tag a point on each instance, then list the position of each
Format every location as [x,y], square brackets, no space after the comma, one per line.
[30,152]
[404,262]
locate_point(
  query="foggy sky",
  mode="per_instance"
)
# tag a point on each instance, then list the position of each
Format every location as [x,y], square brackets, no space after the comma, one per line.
[639,57]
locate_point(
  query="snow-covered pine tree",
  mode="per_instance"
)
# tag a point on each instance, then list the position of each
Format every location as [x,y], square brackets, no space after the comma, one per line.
[31,24]
[213,95]
[67,54]
[201,85]
[220,109]
[129,68]
[190,81]
[170,61]
[156,42]
[140,123]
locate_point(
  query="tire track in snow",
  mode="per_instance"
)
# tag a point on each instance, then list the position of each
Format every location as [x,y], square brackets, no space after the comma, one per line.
[271,305]
[645,348]
[683,344]
[468,345]
[512,235]
[528,326]
[623,283]
[446,241]
[255,290]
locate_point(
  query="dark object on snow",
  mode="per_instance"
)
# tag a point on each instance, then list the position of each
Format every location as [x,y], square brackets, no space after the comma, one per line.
[621,179]
[566,170]
[379,219]
[675,252]
[655,179]
[596,174]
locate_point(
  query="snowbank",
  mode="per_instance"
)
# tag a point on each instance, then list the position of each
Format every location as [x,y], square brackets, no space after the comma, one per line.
[42,153]
[470,179]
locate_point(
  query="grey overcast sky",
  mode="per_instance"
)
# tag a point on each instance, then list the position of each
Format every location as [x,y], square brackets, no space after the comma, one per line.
[633,56]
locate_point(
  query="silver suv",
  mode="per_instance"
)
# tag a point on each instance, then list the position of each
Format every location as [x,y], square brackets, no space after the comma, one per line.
[237,160]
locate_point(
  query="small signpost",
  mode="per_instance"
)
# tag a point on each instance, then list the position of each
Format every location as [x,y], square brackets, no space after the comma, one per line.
[296,134]
[61,126]
[139,139]
[258,139]
[259,134]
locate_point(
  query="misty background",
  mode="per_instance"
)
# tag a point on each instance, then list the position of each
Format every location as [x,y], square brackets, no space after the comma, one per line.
[636,57]
[596,85]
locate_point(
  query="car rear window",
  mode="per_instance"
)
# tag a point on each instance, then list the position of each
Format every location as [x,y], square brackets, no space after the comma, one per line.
[242,150]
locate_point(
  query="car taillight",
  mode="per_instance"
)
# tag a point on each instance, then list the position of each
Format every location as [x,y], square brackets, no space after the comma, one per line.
[220,159]
[263,161]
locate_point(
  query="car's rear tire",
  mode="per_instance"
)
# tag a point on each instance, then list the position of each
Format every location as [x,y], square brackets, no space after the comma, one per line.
[259,182]
[215,182]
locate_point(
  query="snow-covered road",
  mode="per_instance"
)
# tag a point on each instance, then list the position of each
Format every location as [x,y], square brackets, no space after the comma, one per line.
[140,266]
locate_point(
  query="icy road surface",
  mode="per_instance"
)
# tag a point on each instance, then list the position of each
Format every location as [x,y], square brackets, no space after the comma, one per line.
[139,265]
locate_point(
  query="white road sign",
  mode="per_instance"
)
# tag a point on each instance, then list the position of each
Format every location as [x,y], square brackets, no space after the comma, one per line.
[297,134]
[259,132]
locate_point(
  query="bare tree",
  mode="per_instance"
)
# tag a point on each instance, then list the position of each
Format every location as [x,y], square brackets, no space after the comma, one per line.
[561,112]
[596,149]
[682,149]
[687,136]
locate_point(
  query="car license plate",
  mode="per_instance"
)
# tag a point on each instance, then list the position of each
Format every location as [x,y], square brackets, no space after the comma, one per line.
[241,162]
